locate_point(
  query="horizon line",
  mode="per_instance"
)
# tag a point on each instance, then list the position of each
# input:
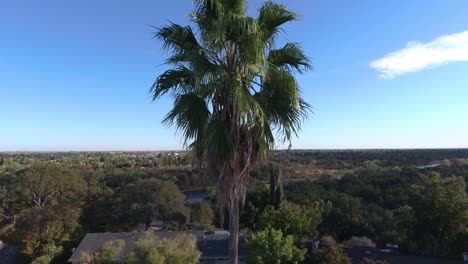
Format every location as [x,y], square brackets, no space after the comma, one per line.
[279,149]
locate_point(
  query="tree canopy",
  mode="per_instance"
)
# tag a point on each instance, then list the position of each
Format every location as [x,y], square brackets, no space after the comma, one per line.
[329,255]
[48,198]
[179,250]
[300,221]
[270,246]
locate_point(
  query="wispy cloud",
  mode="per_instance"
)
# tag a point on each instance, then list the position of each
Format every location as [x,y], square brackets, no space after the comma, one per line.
[418,56]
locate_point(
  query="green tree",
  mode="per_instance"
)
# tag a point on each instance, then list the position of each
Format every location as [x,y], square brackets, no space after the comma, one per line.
[50,197]
[257,200]
[328,241]
[371,261]
[146,251]
[276,184]
[345,218]
[203,216]
[105,254]
[42,260]
[232,90]
[48,252]
[359,242]
[441,212]
[271,247]
[334,255]
[299,221]
[371,167]
[181,249]
[151,199]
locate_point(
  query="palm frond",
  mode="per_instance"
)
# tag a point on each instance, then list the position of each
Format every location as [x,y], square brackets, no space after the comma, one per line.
[206,10]
[280,96]
[263,138]
[219,143]
[271,17]
[250,45]
[245,108]
[207,15]
[178,80]
[190,116]
[290,57]
[238,28]
[237,7]
[185,48]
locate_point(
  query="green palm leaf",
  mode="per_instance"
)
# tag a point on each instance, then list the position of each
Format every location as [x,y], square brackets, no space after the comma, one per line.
[290,57]
[271,17]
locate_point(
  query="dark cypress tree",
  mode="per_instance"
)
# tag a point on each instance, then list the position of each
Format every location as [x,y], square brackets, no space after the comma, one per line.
[276,184]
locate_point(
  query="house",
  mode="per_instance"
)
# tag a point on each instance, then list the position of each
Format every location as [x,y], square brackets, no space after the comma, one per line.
[214,247]
[93,241]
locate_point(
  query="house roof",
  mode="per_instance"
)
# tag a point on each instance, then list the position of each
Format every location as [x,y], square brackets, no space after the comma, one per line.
[215,247]
[93,241]
[210,246]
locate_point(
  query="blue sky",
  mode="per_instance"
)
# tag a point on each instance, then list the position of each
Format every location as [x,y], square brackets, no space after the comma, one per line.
[74,75]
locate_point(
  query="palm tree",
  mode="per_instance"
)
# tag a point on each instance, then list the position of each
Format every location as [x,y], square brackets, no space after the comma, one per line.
[234,93]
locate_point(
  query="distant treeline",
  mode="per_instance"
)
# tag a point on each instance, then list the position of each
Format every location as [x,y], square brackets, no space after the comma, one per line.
[189,174]
[388,157]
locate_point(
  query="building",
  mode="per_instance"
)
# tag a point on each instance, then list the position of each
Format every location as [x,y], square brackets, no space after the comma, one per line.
[214,246]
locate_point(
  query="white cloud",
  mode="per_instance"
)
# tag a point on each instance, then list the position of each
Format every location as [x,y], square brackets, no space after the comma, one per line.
[419,56]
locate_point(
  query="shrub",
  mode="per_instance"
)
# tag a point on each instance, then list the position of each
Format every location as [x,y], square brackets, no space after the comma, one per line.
[328,241]
[371,261]
[179,250]
[359,242]
[330,255]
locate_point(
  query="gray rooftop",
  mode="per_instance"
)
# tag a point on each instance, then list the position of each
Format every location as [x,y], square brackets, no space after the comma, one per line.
[211,246]
[93,241]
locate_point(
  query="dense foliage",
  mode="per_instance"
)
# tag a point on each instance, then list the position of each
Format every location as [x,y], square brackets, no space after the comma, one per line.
[48,201]
[334,255]
[104,255]
[425,211]
[270,246]
[299,221]
[178,250]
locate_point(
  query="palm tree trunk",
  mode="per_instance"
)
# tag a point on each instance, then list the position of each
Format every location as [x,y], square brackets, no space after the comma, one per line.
[234,228]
